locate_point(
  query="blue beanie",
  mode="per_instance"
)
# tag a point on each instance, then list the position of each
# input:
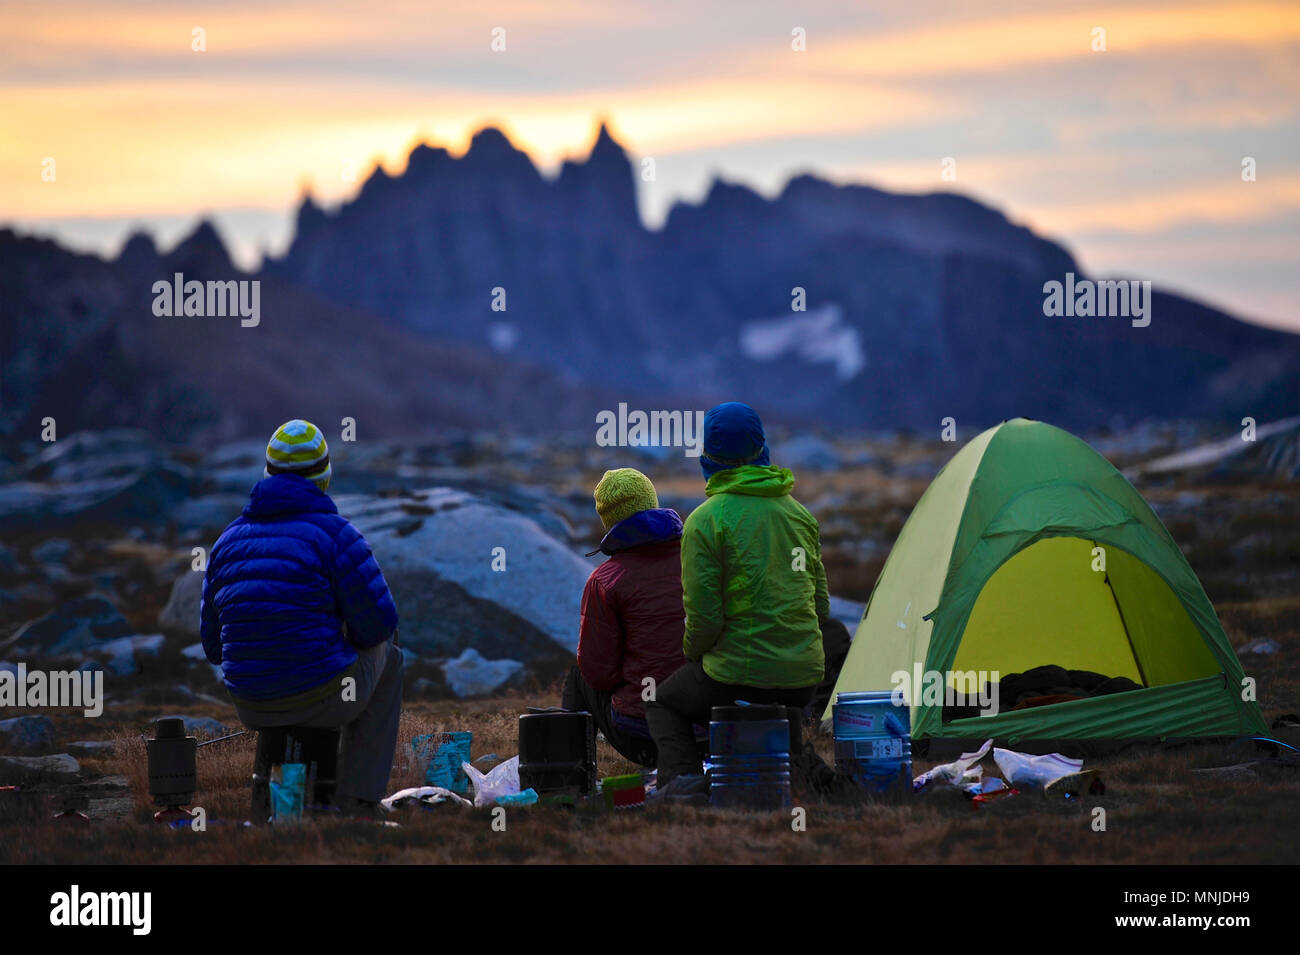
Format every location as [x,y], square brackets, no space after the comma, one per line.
[733,436]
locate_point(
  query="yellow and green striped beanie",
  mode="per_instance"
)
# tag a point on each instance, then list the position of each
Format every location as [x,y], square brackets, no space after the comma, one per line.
[298,447]
[622,493]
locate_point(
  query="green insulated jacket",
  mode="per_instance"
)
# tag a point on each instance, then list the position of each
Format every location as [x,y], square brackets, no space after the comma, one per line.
[753,583]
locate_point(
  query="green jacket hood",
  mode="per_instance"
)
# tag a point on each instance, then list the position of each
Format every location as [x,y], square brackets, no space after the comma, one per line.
[752,479]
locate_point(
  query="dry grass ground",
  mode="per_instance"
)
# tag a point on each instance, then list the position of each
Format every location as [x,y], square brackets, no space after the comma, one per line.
[1158,809]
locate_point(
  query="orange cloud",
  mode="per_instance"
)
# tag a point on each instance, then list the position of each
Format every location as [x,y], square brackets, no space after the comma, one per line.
[999,44]
[71,29]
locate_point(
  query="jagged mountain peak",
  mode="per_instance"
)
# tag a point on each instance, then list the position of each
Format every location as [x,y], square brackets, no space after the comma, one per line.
[940,221]
[490,140]
[138,249]
[922,277]
[378,181]
[605,144]
[310,214]
[425,159]
[490,155]
[603,183]
[201,252]
[806,184]
[491,149]
[724,203]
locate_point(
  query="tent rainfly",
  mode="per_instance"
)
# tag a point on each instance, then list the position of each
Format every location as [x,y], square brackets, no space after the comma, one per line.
[1029,548]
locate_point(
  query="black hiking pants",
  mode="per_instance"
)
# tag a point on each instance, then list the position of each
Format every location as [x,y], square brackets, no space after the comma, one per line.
[688,697]
[580,695]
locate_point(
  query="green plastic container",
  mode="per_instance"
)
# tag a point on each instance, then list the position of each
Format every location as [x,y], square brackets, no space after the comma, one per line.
[623,792]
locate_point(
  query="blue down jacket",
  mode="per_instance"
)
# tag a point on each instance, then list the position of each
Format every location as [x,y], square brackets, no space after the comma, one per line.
[282,582]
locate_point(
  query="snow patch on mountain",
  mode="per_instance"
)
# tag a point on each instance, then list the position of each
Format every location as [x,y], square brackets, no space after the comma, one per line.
[817,336]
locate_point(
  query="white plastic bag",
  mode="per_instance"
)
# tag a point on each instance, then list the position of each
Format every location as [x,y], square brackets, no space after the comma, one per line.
[1022,769]
[429,795]
[501,780]
[984,787]
[964,770]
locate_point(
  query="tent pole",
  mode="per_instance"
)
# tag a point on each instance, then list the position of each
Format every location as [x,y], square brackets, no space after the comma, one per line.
[1124,623]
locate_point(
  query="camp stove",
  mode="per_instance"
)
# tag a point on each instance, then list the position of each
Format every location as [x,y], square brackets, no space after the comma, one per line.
[173,770]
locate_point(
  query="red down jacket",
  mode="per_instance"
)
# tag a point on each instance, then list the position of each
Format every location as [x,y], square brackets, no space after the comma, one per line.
[632,616]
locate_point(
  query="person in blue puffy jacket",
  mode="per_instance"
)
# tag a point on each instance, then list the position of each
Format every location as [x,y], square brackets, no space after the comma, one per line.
[298,615]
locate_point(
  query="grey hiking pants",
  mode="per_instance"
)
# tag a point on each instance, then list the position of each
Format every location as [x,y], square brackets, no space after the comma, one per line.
[369,722]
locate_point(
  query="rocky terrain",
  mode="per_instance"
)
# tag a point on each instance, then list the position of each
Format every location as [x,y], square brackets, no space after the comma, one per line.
[99,564]
[99,532]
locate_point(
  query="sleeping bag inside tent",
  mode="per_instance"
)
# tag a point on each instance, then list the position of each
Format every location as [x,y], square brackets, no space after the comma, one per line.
[1031,562]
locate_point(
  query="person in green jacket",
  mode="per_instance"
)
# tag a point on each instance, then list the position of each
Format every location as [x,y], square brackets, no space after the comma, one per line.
[754,592]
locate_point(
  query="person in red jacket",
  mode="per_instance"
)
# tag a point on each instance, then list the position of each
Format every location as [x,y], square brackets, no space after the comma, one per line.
[632,616]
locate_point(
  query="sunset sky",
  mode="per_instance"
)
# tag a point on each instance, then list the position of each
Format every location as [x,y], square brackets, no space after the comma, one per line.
[1131,156]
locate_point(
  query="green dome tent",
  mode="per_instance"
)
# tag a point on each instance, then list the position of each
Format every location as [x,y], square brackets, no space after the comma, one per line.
[1030,549]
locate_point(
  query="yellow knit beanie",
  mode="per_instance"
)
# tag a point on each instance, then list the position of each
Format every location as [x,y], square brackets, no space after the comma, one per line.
[622,493]
[298,447]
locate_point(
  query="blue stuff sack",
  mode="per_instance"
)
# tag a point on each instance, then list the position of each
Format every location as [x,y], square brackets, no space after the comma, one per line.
[443,754]
[287,794]
[526,798]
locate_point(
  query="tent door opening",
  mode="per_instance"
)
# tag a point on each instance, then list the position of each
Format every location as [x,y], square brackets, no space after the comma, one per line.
[1082,605]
